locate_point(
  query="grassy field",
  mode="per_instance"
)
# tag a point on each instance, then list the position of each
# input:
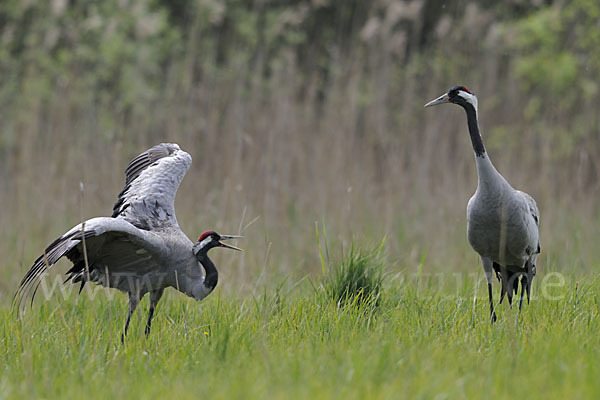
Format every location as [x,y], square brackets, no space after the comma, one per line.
[423,340]
[300,114]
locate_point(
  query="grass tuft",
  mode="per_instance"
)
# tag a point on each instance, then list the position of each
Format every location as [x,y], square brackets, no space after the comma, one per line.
[358,278]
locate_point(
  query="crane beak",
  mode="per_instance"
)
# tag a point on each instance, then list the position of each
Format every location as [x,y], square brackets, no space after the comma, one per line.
[228,246]
[440,100]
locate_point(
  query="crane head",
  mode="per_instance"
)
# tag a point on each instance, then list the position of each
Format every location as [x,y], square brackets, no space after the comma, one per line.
[210,239]
[458,95]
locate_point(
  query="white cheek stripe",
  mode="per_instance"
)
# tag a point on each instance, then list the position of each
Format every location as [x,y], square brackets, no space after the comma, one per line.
[471,98]
[205,241]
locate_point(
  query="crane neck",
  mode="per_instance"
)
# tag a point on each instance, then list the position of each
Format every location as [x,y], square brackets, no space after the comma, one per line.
[476,140]
[211,276]
[489,179]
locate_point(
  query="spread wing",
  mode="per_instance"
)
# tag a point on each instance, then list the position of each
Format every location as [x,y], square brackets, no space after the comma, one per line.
[113,243]
[151,182]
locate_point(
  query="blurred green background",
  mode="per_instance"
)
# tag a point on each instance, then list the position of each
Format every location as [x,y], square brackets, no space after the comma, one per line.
[300,112]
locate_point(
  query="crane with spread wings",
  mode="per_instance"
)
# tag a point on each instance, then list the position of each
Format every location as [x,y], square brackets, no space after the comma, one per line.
[140,249]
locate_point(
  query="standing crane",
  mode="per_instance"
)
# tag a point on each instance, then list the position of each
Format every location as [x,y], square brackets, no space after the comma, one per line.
[140,249]
[502,223]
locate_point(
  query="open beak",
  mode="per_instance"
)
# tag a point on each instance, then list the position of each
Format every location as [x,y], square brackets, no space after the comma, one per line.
[228,246]
[440,100]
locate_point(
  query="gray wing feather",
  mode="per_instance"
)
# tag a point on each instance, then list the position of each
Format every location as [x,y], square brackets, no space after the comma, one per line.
[535,214]
[92,231]
[151,182]
[533,208]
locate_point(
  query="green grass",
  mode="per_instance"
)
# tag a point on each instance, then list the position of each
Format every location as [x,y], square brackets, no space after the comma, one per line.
[421,342]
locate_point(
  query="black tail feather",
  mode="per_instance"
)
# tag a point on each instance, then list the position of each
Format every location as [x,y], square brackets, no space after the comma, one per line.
[509,280]
[57,249]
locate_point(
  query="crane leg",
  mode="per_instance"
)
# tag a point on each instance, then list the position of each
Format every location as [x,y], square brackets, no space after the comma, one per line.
[524,284]
[134,300]
[487,268]
[155,296]
[492,312]
[530,274]
[501,275]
